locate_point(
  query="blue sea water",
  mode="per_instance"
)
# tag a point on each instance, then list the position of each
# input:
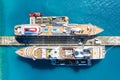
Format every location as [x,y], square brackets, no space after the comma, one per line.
[103,13]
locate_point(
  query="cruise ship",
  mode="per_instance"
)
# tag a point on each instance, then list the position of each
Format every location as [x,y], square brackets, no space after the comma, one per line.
[54,26]
[64,55]
[48,30]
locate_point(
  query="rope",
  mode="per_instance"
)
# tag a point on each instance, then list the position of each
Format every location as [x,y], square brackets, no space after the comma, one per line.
[110,48]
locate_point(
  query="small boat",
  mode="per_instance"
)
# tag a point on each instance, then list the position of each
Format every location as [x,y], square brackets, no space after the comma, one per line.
[64,55]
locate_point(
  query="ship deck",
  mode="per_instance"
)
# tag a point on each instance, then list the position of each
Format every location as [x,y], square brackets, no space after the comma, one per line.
[74,29]
[63,52]
[85,29]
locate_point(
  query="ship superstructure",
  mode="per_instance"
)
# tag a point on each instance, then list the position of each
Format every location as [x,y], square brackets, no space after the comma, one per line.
[37,18]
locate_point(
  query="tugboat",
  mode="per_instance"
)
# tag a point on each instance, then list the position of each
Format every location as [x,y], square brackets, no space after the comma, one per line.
[64,55]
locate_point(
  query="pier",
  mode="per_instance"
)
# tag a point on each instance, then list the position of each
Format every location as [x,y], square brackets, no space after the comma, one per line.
[58,41]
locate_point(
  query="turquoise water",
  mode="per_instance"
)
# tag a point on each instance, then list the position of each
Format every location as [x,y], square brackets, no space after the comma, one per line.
[16,68]
[103,13]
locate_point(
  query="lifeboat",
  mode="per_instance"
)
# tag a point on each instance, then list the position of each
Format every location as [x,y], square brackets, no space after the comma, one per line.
[30,29]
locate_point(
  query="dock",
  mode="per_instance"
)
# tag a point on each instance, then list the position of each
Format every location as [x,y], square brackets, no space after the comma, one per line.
[59,41]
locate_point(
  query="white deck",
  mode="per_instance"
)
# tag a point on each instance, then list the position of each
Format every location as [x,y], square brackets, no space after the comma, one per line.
[98,52]
[66,52]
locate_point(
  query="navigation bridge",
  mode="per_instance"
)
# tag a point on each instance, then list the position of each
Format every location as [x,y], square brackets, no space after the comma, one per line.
[57,41]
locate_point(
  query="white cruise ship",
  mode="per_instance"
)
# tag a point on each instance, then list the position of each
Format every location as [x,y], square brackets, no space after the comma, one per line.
[58,54]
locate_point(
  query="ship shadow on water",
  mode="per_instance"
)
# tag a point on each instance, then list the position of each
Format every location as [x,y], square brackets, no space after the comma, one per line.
[78,68]
[45,64]
[37,64]
[52,39]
